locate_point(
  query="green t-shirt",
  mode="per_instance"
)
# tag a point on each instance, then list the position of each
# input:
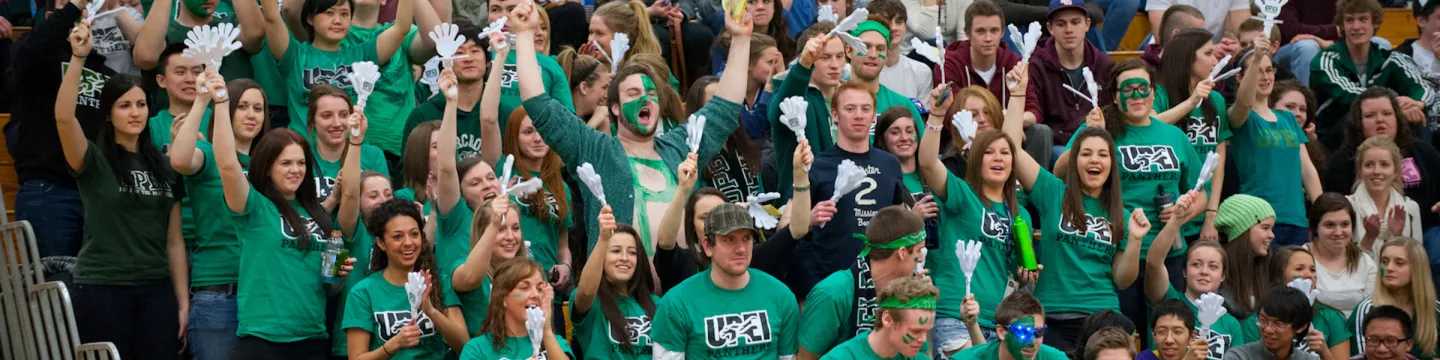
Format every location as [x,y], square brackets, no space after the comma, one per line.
[1327,319]
[281,296]
[858,348]
[394,94]
[913,184]
[1079,273]
[516,348]
[127,221]
[382,308]
[267,74]
[966,216]
[1269,164]
[361,246]
[1204,137]
[827,313]
[1154,158]
[215,258]
[593,332]
[886,98]
[704,321]
[991,351]
[474,303]
[551,74]
[1224,334]
[453,233]
[305,67]
[326,171]
[159,128]
[467,125]
[543,237]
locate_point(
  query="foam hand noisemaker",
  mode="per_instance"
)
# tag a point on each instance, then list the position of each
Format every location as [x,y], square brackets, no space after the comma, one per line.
[920,266]
[363,76]
[592,181]
[415,292]
[208,45]
[618,46]
[1208,170]
[755,205]
[736,9]
[1215,74]
[842,30]
[964,122]
[1306,287]
[535,326]
[1270,9]
[694,130]
[92,12]
[969,254]
[940,44]
[431,76]
[1211,308]
[827,13]
[792,114]
[1093,91]
[1025,41]
[848,178]
[448,39]
[929,52]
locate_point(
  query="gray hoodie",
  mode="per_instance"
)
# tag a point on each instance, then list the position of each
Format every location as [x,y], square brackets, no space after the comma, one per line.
[1256,351]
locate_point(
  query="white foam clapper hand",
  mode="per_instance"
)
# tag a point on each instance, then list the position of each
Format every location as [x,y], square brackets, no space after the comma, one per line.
[1093,87]
[91,9]
[592,181]
[1032,38]
[208,45]
[1219,67]
[852,42]
[964,122]
[694,132]
[431,76]
[929,52]
[848,178]
[755,205]
[507,167]
[1270,10]
[940,44]
[1211,308]
[535,326]
[447,39]
[826,13]
[968,252]
[850,22]
[618,46]
[363,76]
[493,27]
[920,266]
[415,292]
[1207,171]
[1306,287]
[525,188]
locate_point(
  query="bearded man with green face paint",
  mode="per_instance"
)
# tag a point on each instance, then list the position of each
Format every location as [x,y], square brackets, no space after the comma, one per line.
[637,168]
[902,324]
[868,62]
[1020,323]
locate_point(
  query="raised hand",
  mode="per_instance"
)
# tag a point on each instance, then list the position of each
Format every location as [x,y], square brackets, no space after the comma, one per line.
[1396,220]
[523,17]
[1095,119]
[926,208]
[1372,224]
[812,51]
[744,27]
[500,206]
[940,99]
[80,42]
[1199,348]
[1316,340]
[499,41]
[970,310]
[359,124]
[1139,225]
[687,172]
[822,212]
[1262,46]
[1018,78]
[447,82]
[607,224]
[1202,90]
[803,158]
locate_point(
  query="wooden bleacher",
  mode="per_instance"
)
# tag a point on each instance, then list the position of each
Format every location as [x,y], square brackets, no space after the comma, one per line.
[9,181]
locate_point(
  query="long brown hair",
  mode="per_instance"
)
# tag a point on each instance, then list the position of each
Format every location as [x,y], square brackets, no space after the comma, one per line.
[1247,275]
[239,87]
[266,152]
[506,277]
[1072,208]
[1355,133]
[1114,117]
[416,161]
[1175,75]
[976,164]
[579,67]
[1331,202]
[630,18]
[640,287]
[379,260]
[320,92]
[550,170]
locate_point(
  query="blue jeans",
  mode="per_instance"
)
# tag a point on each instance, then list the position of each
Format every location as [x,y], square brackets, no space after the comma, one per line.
[212,324]
[55,213]
[1432,244]
[949,334]
[1118,14]
[1287,235]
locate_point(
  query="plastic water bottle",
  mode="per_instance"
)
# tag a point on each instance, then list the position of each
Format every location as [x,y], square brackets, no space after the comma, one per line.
[1024,238]
[333,258]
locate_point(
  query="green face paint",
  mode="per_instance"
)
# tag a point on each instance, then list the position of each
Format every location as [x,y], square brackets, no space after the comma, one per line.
[1020,335]
[197,7]
[924,319]
[631,109]
[1143,91]
[908,338]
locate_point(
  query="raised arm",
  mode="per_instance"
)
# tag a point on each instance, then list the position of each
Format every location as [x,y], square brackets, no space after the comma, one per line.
[595,267]
[183,156]
[422,48]
[251,24]
[670,223]
[800,200]
[72,137]
[931,169]
[472,273]
[523,21]
[390,40]
[1245,95]
[150,42]
[1026,169]
[1183,109]
[1157,286]
[232,175]
[732,82]
[277,34]
[350,180]
[1126,265]
[490,140]
[447,178]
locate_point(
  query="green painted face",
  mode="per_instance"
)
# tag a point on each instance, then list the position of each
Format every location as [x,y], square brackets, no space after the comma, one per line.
[631,109]
[1020,336]
[197,7]
[1133,88]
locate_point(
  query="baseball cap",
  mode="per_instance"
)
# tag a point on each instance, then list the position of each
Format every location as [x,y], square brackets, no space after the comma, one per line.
[1057,6]
[728,218]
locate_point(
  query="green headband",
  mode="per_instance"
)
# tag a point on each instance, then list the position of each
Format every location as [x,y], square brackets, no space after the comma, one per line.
[872,25]
[923,303]
[903,241]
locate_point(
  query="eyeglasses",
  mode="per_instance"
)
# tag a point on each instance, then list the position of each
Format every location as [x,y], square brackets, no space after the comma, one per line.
[1389,342]
[1272,324]
[1171,333]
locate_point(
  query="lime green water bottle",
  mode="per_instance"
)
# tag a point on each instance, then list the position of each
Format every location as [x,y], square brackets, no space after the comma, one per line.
[1025,243]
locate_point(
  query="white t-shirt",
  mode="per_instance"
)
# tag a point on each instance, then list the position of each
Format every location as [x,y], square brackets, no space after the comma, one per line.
[111,42]
[988,74]
[908,77]
[1343,289]
[1215,11]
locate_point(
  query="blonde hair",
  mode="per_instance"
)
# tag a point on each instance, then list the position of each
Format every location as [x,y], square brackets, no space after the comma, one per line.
[1422,293]
[1379,142]
[903,289]
[629,17]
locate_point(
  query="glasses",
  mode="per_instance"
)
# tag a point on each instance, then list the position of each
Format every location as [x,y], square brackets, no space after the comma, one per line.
[1171,333]
[1135,91]
[1272,324]
[1389,342]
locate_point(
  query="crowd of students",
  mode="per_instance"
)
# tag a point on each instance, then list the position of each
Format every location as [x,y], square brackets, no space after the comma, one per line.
[1107,232]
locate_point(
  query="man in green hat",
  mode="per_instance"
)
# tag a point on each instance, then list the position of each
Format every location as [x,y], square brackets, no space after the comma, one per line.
[868,62]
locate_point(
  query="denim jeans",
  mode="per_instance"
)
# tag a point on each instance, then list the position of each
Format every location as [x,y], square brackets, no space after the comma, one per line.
[949,334]
[212,324]
[55,213]
[1287,235]
[142,320]
[1118,14]
[1297,56]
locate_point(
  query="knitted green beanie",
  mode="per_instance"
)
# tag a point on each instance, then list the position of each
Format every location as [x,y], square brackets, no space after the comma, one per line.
[1239,213]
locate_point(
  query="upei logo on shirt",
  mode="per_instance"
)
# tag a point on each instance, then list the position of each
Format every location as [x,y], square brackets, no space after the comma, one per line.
[90,84]
[637,332]
[1219,343]
[1201,132]
[726,331]
[994,227]
[507,79]
[322,76]
[324,185]
[1097,226]
[389,323]
[109,39]
[1149,158]
[311,228]
[145,184]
